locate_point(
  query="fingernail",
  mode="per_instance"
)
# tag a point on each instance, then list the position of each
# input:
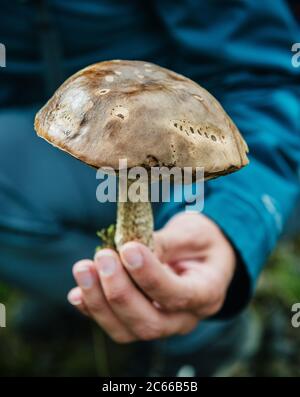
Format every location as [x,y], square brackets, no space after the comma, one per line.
[107,264]
[74,298]
[84,277]
[132,257]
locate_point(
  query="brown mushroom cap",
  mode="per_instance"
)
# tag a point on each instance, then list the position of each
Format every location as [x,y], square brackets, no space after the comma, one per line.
[144,113]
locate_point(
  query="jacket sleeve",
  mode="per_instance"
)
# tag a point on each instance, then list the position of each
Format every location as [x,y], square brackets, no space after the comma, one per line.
[241,52]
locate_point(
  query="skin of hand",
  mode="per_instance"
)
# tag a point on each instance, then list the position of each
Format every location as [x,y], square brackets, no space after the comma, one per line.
[143,295]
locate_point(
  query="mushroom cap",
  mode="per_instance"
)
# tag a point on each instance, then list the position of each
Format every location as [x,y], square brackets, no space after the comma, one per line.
[144,113]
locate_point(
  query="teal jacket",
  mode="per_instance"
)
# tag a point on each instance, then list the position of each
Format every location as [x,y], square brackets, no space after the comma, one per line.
[239,50]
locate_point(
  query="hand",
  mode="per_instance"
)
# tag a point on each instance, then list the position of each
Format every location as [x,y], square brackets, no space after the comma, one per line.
[140,295]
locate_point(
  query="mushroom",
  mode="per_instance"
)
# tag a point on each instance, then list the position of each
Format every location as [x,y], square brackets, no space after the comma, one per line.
[150,116]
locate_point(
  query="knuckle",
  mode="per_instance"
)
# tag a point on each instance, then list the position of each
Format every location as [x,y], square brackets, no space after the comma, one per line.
[117,297]
[152,283]
[95,306]
[189,327]
[177,304]
[217,296]
[217,306]
[122,338]
[212,309]
[215,288]
[149,331]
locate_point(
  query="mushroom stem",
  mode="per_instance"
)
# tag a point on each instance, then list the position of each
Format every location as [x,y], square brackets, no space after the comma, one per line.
[134,221]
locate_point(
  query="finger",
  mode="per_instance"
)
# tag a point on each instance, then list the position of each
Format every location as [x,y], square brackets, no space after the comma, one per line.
[159,282]
[76,299]
[131,306]
[223,259]
[211,286]
[184,236]
[95,302]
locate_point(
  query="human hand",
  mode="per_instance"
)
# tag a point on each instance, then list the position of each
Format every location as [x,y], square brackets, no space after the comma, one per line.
[141,295]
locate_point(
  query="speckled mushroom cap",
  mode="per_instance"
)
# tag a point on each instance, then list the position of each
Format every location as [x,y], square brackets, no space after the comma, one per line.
[144,113]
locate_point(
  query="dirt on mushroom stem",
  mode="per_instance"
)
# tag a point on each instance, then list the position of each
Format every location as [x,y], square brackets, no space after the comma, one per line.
[134,223]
